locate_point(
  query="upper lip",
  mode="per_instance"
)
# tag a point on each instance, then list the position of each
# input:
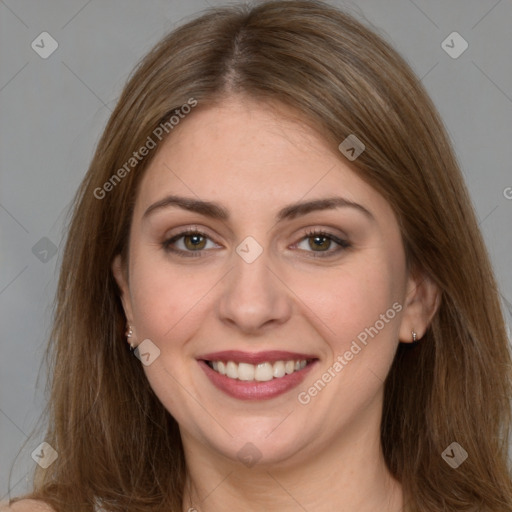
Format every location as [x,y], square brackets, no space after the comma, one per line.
[271,356]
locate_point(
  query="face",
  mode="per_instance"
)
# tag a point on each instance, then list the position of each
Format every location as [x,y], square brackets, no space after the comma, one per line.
[256,281]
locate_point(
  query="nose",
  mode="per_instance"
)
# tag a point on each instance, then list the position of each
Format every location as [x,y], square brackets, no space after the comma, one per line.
[255,296]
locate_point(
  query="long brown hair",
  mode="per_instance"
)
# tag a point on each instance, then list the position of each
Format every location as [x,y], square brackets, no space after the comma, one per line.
[116,441]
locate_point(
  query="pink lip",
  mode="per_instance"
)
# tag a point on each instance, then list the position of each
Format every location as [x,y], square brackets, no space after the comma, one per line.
[244,390]
[270,356]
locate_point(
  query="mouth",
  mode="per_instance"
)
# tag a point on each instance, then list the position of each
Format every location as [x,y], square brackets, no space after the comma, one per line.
[256,376]
[262,372]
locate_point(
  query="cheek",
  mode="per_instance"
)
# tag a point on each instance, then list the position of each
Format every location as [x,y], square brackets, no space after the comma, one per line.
[357,313]
[167,299]
[351,299]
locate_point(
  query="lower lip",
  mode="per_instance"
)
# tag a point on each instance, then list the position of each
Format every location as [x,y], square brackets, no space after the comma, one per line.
[254,390]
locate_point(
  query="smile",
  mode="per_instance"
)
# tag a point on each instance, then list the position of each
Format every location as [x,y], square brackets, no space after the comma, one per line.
[256,376]
[261,372]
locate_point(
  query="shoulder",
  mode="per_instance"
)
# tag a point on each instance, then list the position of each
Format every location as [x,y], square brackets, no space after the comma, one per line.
[26,506]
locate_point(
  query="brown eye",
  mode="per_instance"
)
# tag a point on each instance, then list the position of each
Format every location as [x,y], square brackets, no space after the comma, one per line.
[194,241]
[321,241]
[193,244]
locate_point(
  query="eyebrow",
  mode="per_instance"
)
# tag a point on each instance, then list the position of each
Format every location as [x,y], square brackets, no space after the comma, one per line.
[289,212]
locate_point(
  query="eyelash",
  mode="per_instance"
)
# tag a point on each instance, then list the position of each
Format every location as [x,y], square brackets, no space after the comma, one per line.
[343,244]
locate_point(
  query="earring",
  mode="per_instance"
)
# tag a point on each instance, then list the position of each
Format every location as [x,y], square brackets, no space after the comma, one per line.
[414,337]
[129,334]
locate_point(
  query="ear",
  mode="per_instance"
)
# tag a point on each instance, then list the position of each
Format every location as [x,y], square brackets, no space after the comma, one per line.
[421,304]
[121,277]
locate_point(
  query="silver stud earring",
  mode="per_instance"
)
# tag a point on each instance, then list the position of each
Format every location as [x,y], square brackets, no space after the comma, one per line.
[414,337]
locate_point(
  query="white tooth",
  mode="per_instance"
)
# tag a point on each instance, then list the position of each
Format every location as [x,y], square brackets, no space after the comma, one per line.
[232,370]
[263,372]
[246,371]
[278,369]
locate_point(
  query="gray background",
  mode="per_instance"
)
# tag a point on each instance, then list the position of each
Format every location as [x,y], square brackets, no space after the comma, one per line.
[53,110]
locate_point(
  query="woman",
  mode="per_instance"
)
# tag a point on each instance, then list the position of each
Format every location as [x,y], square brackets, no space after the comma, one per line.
[274,293]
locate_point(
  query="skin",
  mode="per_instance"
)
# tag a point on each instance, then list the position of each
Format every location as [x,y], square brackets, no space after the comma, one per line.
[254,159]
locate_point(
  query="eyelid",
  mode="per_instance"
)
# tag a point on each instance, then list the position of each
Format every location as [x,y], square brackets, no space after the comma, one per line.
[191,230]
[188,230]
[342,243]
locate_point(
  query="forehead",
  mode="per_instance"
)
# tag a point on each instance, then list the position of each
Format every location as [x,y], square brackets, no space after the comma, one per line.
[252,155]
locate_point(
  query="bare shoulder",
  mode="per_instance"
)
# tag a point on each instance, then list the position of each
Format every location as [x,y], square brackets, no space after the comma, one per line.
[26,506]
